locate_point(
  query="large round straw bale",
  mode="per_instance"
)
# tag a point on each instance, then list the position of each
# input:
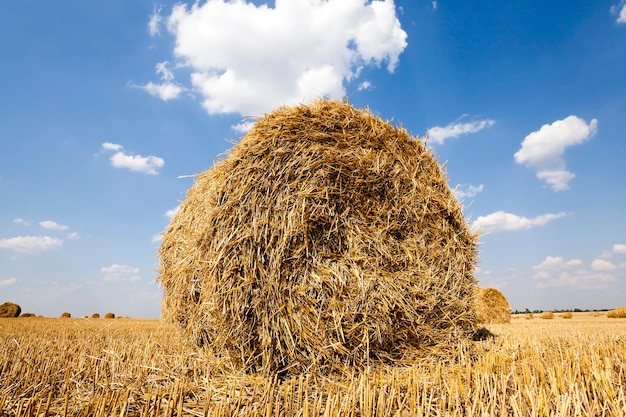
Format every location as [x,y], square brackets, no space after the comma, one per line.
[10,309]
[492,306]
[325,237]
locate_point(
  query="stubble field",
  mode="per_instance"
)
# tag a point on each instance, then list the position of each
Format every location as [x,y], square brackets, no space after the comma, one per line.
[132,367]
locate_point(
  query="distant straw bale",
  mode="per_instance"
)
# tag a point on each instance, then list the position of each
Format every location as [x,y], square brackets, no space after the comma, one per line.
[567,315]
[492,306]
[617,313]
[28,315]
[95,316]
[547,315]
[326,237]
[109,315]
[66,315]
[10,309]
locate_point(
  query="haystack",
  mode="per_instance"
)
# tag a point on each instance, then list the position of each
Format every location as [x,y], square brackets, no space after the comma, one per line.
[10,309]
[325,237]
[617,313]
[492,306]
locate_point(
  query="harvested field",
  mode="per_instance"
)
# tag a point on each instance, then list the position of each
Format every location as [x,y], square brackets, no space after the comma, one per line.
[145,368]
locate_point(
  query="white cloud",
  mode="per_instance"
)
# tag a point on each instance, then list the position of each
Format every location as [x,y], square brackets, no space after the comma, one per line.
[52,225]
[117,272]
[602,265]
[365,85]
[501,221]
[154,24]
[172,212]
[463,191]
[620,10]
[543,149]
[7,282]
[31,244]
[21,221]
[554,271]
[72,236]
[557,263]
[248,59]
[146,164]
[439,134]
[619,248]
[108,146]
[243,127]
[167,89]
[434,3]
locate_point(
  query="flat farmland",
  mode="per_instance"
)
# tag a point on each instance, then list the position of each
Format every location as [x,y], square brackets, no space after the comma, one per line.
[145,367]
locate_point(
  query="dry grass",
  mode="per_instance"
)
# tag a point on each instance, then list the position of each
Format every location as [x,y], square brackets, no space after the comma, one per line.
[144,368]
[326,236]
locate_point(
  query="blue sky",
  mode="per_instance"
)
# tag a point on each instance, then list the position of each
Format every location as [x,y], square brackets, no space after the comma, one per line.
[104,105]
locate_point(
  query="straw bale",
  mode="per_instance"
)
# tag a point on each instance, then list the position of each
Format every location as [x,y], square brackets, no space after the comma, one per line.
[617,313]
[10,309]
[492,306]
[109,315]
[66,315]
[28,315]
[95,316]
[326,237]
[547,315]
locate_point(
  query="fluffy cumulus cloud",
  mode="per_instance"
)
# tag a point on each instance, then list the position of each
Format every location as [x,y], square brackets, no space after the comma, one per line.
[21,222]
[543,149]
[117,272]
[439,135]
[555,271]
[248,59]
[31,244]
[144,164]
[501,221]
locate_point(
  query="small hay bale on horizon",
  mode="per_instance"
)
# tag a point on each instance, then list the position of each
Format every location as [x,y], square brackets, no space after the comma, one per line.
[95,316]
[66,315]
[567,315]
[10,310]
[109,315]
[492,307]
[617,313]
[326,237]
[547,315]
